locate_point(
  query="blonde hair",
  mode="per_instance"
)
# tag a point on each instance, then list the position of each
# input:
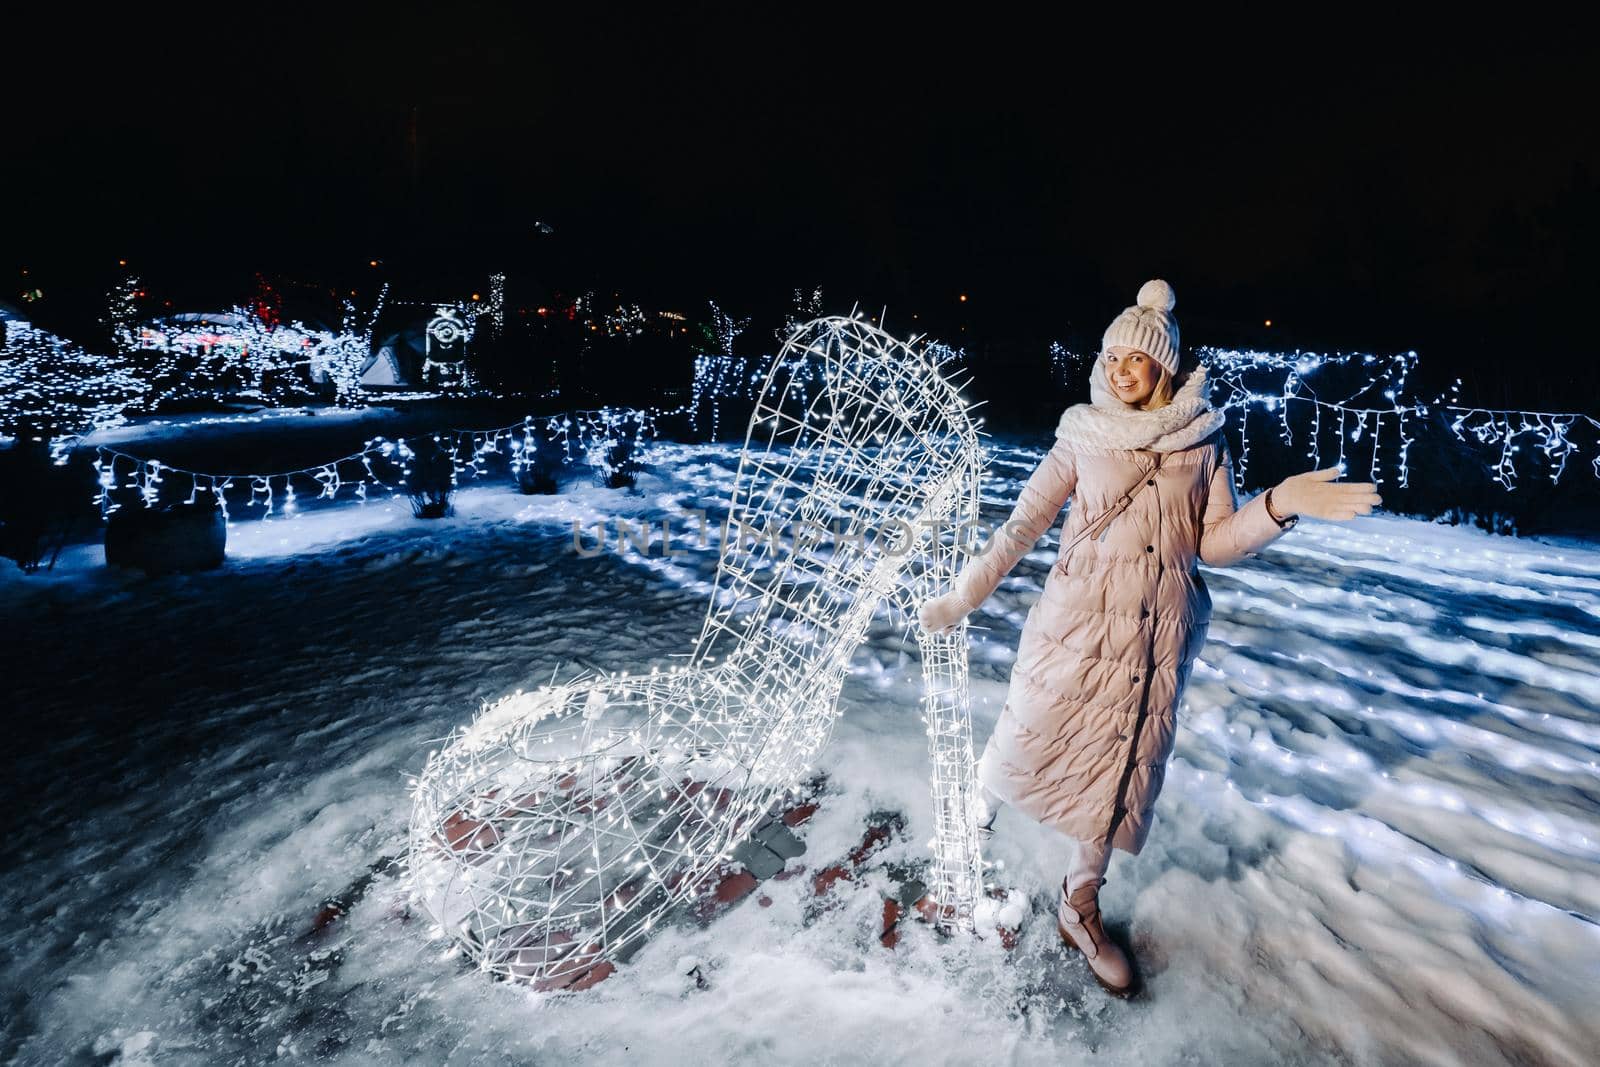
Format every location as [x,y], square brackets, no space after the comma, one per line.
[1161,392]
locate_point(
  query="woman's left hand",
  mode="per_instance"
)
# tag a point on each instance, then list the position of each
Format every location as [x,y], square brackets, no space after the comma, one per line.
[941,613]
[1315,493]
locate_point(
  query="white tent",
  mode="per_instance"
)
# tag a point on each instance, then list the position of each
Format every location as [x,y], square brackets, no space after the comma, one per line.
[384,369]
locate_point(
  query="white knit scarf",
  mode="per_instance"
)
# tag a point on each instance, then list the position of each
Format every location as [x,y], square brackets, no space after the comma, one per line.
[1107,424]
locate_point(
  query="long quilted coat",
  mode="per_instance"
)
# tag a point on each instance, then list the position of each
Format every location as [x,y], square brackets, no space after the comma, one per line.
[1083,740]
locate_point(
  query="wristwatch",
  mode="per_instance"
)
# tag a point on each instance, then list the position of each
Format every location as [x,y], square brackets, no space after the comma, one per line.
[1283,524]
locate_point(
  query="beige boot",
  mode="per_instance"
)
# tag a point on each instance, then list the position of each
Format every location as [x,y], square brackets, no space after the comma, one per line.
[988,806]
[1078,922]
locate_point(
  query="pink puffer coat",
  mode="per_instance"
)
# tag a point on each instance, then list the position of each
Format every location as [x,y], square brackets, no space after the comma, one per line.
[1088,725]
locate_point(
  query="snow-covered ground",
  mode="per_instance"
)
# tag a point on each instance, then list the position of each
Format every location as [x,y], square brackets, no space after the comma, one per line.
[1379,841]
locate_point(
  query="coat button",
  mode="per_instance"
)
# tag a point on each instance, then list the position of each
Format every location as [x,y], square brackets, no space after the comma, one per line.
[1136,677]
[1143,612]
[1149,481]
[1149,548]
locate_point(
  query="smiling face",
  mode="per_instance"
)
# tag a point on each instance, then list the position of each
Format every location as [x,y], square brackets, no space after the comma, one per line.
[1131,374]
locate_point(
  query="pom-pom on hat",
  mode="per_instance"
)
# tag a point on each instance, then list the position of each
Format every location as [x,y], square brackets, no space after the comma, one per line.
[1148,325]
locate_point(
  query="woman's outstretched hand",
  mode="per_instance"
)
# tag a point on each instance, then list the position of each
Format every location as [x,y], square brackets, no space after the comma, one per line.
[1315,493]
[942,612]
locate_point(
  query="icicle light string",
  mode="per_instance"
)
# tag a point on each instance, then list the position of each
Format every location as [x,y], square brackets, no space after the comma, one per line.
[1364,408]
[1233,373]
[591,434]
[1281,382]
[1549,434]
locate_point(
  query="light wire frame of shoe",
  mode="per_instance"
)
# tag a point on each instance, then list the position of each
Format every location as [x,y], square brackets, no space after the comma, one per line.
[550,835]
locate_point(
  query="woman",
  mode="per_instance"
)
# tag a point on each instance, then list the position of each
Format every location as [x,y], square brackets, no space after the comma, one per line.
[1083,740]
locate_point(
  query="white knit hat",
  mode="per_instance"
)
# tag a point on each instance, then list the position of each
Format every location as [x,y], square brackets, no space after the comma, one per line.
[1148,325]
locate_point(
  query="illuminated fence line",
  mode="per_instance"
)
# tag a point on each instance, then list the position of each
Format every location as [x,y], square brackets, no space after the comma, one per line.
[1362,411]
[384,465]
[1550,435]
[1281,383]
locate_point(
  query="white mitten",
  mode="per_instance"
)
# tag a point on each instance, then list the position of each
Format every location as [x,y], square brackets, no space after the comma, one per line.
[943,612]
[1317,494]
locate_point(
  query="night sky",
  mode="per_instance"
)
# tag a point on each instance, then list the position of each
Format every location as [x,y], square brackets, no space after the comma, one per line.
[1365,187]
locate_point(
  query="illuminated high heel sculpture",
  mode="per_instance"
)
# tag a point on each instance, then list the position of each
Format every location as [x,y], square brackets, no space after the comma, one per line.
[551,834]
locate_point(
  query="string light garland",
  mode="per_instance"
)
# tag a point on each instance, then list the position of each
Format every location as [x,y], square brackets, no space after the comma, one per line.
[1548,433]
[380,469]
[550,835]
[1281,383]
[1234,374]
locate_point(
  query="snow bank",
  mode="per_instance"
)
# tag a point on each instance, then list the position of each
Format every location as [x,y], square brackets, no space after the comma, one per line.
[1378,842]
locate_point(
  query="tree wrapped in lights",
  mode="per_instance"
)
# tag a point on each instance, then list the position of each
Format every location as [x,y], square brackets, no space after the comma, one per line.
[807,306]
[550,835]
[122,313]
[238,353]
[495,309]
[50,383]
[343,357]
[723,330]
[628,320]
